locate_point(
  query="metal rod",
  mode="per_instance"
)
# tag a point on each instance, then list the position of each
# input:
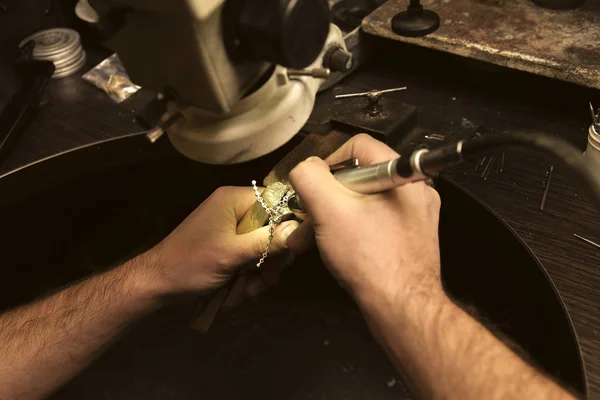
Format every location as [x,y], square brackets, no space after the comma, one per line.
[321,73]
[371,92]
[588,241]
[492,162]
[546,189]
[435,136]
[487,168]
[502,157]
[479,164]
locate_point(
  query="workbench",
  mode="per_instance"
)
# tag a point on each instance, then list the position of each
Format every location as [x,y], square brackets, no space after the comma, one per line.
[453,95]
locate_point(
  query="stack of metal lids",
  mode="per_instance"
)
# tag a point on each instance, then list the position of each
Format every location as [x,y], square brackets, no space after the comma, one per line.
[62,46]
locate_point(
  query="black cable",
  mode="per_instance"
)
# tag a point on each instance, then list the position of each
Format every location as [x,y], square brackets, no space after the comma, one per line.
[567,155]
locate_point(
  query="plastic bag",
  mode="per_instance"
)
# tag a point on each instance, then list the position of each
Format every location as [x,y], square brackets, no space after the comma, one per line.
[111,77]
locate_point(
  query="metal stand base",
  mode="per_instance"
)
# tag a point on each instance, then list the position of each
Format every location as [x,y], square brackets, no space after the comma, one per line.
[415,22]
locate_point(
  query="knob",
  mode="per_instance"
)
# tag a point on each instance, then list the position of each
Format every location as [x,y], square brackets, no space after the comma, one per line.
[290,33]
[337,59]
[415,21]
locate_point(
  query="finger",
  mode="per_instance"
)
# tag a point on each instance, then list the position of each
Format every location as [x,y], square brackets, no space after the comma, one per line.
[244,199]
[253,244]
[237,293]
[367,150]
[303,238]
[270,275]
[316,186]
[237,199]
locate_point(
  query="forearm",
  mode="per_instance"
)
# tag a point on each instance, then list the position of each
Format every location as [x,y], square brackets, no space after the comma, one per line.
[44,344]
[442,352]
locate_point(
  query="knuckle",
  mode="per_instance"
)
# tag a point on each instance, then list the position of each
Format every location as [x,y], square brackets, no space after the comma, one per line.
[362,139]
[298,174]
[222,191]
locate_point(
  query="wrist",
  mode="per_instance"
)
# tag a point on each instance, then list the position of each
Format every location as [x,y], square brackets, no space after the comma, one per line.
[415,293]
[144,276]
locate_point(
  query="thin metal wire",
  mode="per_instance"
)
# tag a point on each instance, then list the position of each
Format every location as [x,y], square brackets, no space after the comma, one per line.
[588,241]
[546,188]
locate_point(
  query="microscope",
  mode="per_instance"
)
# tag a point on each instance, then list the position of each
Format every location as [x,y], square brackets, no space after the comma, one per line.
[236,79]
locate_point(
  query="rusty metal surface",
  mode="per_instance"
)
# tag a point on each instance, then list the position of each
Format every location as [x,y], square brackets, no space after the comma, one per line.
[514,33]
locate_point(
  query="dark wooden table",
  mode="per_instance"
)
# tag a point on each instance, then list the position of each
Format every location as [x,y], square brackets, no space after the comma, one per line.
[453,96]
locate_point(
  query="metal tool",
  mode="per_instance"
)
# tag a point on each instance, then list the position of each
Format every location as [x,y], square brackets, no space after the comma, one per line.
[294,202]
[370,93]
[373,96]
[588,241]
[595,116]
[249,73]
[374,178]
[349,163]
[423,164]
[321,73]
[479,164]
[435,136]
[546,189]
[488,168]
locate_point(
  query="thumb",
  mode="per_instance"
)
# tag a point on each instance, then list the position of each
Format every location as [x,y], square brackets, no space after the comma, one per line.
[253,244]
[315,184]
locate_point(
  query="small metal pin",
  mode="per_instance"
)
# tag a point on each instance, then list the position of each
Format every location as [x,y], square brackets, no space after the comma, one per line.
[490,170]
[588,241]
[546,189]
[485,173]
[594,116]
[502,157]
[435,136]
[480,164]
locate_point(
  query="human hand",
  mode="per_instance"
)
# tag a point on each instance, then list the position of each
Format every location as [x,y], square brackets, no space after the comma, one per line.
[204,251]
[376,245]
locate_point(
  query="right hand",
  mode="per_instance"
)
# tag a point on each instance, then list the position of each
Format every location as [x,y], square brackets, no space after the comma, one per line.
[379,246]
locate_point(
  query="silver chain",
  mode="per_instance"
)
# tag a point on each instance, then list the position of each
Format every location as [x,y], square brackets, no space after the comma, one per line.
[275,216]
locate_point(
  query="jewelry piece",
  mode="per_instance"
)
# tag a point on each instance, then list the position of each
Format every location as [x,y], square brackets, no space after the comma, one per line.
[275,215]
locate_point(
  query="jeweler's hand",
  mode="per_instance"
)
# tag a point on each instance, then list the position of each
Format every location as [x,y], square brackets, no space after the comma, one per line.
[376,245]
[204,251]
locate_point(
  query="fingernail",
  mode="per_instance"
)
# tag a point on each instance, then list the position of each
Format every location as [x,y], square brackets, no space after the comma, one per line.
[287,231]
[313,158]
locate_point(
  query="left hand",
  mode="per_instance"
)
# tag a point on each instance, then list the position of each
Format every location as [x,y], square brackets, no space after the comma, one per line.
[204,251]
